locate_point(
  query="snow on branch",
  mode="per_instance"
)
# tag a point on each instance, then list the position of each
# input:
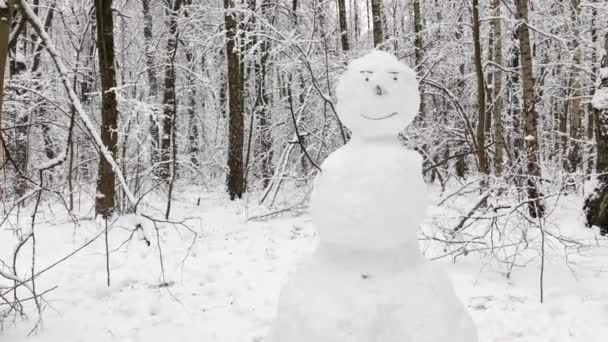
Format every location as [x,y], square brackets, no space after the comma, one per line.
[63,72]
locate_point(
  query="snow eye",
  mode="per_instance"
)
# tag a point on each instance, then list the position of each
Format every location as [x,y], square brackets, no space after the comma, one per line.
[395,78]
[366,73]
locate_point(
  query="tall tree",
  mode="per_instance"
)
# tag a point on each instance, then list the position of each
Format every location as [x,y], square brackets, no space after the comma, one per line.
[590,111]
[104,200]
[6,18]
[151,74]
[356,24]
[576,113]
[481,93]
[497,89]
[377,8]
[168,145]
[418,47]
[343,25]
[262,104]
[536,208]
[596,205]
[193,122]
[235,178]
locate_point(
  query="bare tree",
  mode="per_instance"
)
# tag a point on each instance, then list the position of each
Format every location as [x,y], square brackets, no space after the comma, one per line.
[104,200]
[168,144]
[536,207]
[235,178]
[418,46]
[343,25]
[497,89]
[377,8]
[356,24]
[6,18]
[262,104]
[151,74]
[596,205]
[481,93]
[576,113]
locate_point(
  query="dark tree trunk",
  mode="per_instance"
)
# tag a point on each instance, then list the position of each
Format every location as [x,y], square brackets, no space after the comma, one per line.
[104,204]
[513,83]
[576,110]
[481,93]
[168,121]
[235,179]
[152,80]
[262,108]
[596,205]
[49,148]
[418,47]
[590,111]
[460,166]
[497,89]
[356,25]
[343,26]
[536,208]
[193,131]
[377,15]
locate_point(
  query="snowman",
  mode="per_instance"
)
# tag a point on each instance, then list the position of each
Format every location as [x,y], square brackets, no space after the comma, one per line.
[367,281]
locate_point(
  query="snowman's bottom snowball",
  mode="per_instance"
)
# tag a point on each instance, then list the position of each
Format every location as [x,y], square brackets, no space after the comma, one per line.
[326,303]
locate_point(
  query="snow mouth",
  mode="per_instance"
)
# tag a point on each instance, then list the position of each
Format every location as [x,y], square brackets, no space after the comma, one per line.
[379,118]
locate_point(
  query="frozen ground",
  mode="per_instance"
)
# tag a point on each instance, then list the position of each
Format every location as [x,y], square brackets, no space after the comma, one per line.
[224,286]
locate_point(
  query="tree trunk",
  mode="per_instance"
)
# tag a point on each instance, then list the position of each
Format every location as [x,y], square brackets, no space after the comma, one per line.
[104,204]
[596,205]
[590,114]
[343,26]
[235,179]
[497,88]
[481,93]
[152,81]
[516,136]
[194,147]
[576,125]
[262,108]
[536,208]
[6,18]
[418,47]
[418,52]
[460,167]
[193,131]
[377,15]
[168,120]
[356,24]
[49,148]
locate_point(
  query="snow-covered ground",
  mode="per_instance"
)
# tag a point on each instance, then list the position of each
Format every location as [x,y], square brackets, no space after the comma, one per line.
[224,285]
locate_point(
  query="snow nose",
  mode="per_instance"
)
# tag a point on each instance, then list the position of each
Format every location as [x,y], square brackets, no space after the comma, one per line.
[379,90]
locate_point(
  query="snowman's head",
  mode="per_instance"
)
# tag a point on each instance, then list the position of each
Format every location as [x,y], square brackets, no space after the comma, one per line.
[377,95]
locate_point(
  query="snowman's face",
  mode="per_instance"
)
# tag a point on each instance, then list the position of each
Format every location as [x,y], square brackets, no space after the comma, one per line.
[377,95]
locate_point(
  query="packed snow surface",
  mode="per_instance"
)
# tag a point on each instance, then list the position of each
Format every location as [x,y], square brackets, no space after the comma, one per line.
[225,286]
